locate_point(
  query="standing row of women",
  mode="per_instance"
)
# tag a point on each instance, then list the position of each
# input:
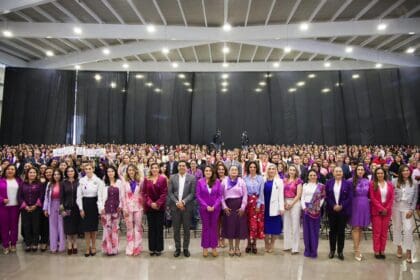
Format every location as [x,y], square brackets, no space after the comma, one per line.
[254,207]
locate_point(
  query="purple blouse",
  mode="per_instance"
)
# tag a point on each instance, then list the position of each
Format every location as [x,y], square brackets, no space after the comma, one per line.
[30,194]
[113,200]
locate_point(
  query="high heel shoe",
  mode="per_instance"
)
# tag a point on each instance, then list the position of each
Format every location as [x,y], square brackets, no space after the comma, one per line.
[93,252]
[238,252]
[358,256]
[231,252]
[248,249]
[254,249]
[87,254]
[408,258]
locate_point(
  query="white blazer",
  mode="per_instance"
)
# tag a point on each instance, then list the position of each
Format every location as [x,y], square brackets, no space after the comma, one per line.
[103,195]
[277,197]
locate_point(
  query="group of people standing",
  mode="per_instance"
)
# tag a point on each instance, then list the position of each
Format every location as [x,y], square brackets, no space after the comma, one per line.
[236,202]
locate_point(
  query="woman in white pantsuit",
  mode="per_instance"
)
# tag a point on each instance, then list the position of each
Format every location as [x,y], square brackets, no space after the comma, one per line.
[405,199]
[291,217]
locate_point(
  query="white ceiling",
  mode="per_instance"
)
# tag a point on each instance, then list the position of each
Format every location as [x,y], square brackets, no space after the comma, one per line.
[192,32]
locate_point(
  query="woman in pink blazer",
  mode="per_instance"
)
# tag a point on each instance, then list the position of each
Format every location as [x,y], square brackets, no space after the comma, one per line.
[209,197]
[381,198]
[132,206]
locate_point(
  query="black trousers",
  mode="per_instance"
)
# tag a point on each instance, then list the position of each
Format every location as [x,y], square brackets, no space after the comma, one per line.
[30,224]
[181,218]
[337,224]
[155,221]
[44,228]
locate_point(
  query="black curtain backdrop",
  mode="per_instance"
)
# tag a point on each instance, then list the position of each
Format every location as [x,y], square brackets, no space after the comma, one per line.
[38,106]
[324,107]
[159,108]
[100,107]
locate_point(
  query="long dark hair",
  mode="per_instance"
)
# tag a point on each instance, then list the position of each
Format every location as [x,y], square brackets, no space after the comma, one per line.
[116,177]
[400,180]
[7,167]
[36,181]
[309,172]
[256,166]
[52,181]
[375,177]
[213,177]
[355,178]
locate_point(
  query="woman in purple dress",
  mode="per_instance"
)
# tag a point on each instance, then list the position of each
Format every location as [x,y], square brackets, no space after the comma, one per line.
[360,217]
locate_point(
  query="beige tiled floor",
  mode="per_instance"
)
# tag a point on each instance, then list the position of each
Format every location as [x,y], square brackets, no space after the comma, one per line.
[280,265]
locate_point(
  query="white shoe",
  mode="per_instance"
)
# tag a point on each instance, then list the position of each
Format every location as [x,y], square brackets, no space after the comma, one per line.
[6,251]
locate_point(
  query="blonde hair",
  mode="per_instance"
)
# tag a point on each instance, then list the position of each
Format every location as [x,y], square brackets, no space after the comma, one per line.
[271,165]
[137,176]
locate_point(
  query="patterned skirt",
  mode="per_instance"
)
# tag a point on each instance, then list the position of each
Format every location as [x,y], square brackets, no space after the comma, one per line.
[255,219]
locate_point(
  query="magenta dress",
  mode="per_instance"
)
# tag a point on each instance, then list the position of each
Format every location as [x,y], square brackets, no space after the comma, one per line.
[360,216]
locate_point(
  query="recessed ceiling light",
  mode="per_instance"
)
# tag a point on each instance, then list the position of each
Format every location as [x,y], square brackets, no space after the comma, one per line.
[381,26]
[410,50]
[190,90]
[349,49]
[151,28]
[287,49]
[77,67]
[378,65]
[262,83]
[187,84]
[225,49]
[48,37]
[224,84]
[113,84]
[227,27]
[225,76]
[411,33]
[165,50]
[325,90]
[267,75]
[181,76]
[311,76]
[77,30]
[300,83]
[125,66]
[97,77]
[225,64]
[292,89]
[175,65]
[106,51]
[355,76]
[139,76]
[327,64]
[304,26]
[224,89]
[7,33]
[158,90]
[337,84]
[258,90]
[149,84]
[276,65]
[49,53]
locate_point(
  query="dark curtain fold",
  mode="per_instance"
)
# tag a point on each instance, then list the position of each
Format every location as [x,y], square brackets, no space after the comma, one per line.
[38,106]
[241,107]
[159,108]
[100,107]
[306,108]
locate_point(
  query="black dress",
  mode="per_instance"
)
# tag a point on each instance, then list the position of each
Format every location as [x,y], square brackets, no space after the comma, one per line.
[71,221]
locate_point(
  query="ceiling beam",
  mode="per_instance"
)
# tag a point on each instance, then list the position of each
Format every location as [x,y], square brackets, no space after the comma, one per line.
[10,60]
[116,51]
[240,67]
[332,49]
[7,6]
[281,31]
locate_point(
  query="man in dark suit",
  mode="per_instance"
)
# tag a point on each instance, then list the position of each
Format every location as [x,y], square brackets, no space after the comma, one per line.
[181,195]
[171,166]
[201,161]
[339,194]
